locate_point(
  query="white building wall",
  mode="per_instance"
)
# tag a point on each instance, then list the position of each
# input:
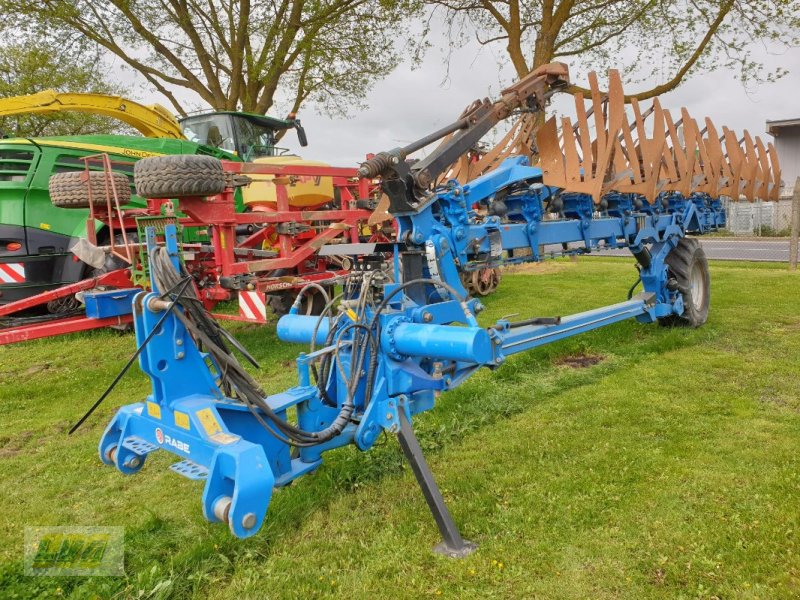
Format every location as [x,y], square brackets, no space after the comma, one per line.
[787,143]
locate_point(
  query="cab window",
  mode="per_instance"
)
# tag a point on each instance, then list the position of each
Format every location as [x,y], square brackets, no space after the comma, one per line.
[211,130]
[255,141]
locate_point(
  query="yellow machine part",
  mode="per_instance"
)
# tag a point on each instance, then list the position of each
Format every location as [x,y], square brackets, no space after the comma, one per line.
[153,121]
[305,192]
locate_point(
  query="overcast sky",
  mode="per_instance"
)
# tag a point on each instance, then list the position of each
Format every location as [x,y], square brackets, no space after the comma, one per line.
[412,102]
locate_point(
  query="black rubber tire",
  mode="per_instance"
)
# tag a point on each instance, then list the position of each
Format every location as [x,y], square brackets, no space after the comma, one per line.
[183,175]
[71,190]
[281,302]
[688,266]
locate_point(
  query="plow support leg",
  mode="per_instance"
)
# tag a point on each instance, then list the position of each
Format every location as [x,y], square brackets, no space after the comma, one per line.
[453,544]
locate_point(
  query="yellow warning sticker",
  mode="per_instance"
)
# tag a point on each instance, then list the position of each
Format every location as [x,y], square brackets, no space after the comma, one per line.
[181,420]
[154,410]
[209,421]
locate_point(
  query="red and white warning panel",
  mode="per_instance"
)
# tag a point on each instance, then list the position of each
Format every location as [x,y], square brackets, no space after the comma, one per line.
[12,273]
[253,306]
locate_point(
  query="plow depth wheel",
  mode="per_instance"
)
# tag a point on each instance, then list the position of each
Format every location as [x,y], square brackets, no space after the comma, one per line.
[485,281]
[688,266]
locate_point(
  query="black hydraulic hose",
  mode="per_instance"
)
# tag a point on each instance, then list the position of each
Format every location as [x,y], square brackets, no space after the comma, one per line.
[633,287]
[204,328]
[136,354]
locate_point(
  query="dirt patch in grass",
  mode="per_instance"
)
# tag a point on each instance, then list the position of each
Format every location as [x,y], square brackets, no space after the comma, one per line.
[579,361]
[544,267]
[12,445]
[37,368]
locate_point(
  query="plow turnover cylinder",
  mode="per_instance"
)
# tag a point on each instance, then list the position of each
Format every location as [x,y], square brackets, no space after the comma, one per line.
[468,344]
[299,329]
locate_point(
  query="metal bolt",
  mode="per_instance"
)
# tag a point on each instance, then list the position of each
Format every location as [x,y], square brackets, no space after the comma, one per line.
[133,462]
[427,317]
[157,305]
[179,342]
[180,355]
[249,520]
[389,416]
[221,508]
[111,454]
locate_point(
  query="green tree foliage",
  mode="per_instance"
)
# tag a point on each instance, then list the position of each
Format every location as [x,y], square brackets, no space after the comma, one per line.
[27,68]
[241,54]
[665,40]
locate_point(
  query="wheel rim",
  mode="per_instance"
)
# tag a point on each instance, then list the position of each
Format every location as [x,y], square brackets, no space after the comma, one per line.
[482,281]
[697,285]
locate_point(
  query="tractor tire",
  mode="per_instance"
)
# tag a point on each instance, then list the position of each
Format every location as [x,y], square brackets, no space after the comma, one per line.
[71,190]
[688,266]
[178,176]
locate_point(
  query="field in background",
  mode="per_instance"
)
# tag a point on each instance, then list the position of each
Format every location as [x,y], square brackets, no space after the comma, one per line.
[633,462]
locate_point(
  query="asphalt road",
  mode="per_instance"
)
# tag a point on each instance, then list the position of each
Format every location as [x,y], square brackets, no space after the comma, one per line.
[762,250]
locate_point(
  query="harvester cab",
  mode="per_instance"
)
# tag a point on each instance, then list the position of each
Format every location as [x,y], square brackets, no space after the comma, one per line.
[248,136]
[253,139]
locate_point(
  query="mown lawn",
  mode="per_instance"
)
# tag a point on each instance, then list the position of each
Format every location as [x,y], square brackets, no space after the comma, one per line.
[668,469]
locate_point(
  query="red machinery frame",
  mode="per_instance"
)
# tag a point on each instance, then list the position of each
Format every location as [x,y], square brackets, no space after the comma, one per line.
[295,237]
[300,233]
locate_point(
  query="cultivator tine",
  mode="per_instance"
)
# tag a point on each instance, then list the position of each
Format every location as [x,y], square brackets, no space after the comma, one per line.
[703,172]
[589,171]
[735,158]
[551,160]
[678,156]
[750,168]
[775,183]
[653,150]
[718,167]
[517,141]
[641,157]
[766,182]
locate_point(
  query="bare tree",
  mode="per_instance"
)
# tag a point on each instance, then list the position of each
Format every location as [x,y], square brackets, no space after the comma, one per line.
[240,54]
[672,39]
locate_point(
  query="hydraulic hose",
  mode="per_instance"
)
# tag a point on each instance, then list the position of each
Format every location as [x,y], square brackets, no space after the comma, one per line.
[208,333]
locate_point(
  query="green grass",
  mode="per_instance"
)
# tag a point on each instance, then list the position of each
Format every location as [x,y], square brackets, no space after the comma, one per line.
[670,469]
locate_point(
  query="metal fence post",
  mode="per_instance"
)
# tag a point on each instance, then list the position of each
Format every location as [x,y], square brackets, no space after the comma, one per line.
[793,241]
